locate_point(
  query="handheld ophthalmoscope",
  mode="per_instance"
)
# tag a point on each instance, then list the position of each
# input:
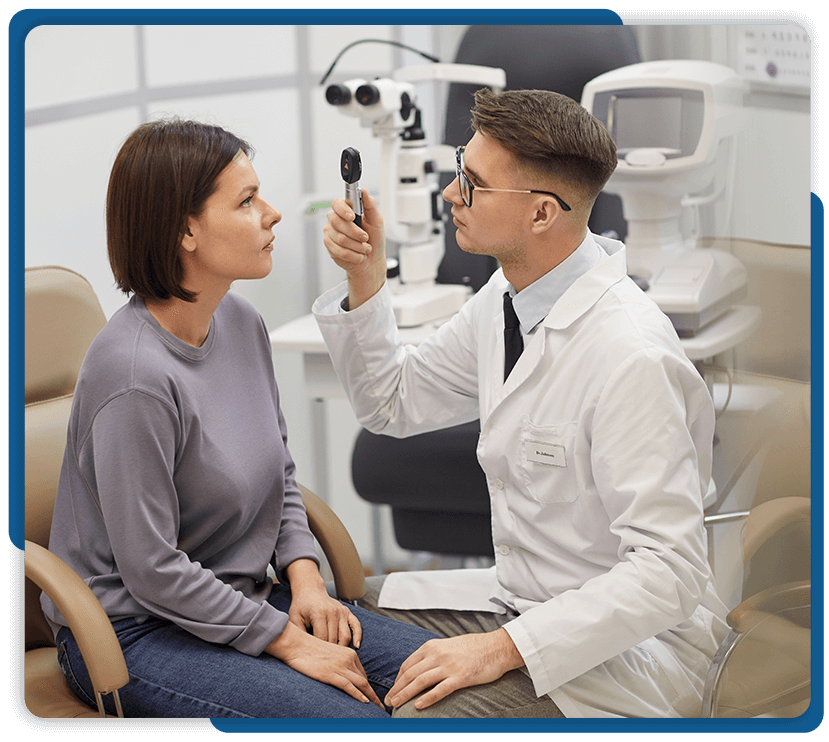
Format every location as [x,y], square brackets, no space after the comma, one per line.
[351,168]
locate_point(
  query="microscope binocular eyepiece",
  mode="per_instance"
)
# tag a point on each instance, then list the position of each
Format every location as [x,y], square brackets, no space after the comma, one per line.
[368,95]
[377,98]
[338,95]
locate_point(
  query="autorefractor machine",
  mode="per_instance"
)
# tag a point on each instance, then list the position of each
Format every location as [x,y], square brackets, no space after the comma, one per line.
[675,125]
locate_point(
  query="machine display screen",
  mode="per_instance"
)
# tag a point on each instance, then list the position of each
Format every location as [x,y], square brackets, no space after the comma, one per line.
[668,119]
[648,122]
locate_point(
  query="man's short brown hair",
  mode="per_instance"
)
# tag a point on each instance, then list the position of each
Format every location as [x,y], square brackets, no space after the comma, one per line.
[163,174]
[550,134]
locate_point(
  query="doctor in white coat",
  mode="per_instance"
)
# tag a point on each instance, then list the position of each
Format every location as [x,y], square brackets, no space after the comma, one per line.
[597,445]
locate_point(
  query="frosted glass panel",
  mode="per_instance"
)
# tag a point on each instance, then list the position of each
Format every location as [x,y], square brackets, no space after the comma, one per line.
[66,193]
[74,63]
[192,54]
[328,41]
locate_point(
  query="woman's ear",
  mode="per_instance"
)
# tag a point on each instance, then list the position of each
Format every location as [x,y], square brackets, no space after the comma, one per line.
[188,239]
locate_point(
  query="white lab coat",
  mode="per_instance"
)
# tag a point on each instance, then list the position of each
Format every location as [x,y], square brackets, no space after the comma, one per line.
[597,452]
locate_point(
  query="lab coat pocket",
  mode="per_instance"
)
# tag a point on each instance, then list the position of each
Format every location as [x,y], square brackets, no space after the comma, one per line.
[546,456]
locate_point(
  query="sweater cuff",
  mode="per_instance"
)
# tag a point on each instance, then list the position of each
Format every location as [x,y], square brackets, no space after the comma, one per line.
[266,624]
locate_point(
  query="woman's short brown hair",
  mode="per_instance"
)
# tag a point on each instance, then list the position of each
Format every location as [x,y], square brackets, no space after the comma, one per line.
[162,175]
[550,134]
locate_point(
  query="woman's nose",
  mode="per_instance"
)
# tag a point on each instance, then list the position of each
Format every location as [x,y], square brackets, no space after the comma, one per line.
[273,216]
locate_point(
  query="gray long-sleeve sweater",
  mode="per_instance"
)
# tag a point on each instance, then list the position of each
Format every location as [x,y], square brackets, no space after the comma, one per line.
[177,488]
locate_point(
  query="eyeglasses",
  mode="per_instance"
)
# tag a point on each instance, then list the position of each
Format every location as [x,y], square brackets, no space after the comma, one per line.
[467,187]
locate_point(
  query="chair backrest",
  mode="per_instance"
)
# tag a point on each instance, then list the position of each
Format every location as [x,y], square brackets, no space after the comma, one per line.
[63,316]
[785,475]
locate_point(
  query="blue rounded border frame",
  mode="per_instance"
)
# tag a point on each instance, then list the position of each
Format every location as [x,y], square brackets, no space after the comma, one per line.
[25,20]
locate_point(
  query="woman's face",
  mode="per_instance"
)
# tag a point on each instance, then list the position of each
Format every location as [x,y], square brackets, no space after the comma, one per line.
[232,238]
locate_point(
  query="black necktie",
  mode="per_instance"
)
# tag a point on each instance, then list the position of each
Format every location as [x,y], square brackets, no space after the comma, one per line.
[513,342]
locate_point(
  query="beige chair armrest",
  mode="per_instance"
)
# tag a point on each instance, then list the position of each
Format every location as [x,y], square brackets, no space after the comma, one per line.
[89,623]
[769,517]
[772,601]
[337,545]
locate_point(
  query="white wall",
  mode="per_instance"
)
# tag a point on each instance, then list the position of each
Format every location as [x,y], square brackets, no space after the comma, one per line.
[88,87]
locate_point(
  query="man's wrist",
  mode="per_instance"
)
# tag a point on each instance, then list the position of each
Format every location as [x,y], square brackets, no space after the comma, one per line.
[508,655]
[362,290]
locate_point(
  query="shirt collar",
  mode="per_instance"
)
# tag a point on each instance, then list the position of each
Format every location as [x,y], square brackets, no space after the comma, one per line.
[534,303]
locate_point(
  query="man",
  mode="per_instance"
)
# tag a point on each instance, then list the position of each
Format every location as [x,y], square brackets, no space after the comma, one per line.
[596,443]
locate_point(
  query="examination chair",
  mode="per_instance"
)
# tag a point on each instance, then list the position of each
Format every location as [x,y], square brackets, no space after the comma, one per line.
[763,665]
[433,483]
[62,317]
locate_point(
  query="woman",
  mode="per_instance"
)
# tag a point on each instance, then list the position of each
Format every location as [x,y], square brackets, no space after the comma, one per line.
[177,489]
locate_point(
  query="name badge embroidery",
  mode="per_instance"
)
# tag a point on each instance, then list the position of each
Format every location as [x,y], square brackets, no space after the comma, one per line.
[550,454]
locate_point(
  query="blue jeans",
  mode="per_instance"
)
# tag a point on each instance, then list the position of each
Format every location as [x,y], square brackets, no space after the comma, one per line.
[175,674]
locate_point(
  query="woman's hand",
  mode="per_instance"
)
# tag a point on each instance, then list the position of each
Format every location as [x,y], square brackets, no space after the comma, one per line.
[321,660]
[326,618]
[312,608]
[325,654]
